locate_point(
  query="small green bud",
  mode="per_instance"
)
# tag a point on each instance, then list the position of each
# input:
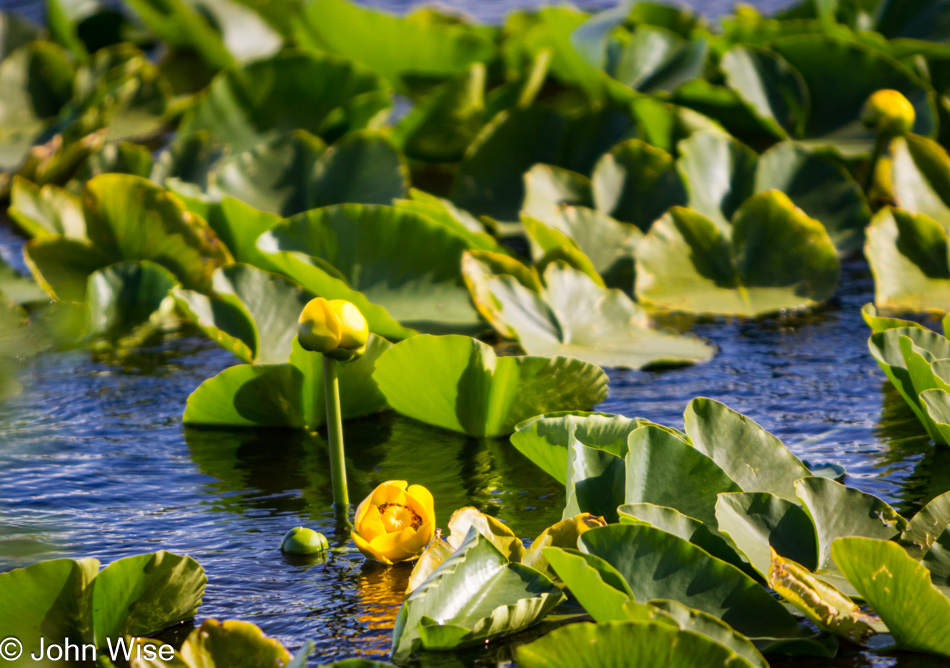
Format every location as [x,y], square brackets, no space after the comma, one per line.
[302,541]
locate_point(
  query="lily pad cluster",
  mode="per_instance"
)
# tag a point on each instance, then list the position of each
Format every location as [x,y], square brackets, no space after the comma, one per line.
[705,522]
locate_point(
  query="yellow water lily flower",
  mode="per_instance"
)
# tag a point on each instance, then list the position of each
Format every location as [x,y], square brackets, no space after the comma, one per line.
[394,523]
[334,327]
[888,112]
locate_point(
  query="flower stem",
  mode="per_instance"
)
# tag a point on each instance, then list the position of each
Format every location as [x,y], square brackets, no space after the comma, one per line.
[331,386]
[880,146]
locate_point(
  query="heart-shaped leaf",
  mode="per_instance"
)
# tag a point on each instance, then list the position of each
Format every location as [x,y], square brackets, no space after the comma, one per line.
[458,383]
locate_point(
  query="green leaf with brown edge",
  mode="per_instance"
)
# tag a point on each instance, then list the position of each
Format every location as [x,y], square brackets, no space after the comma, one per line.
[619,644]
[459,384]
[908,257]
[823,605]
[775,258]
[755,459]
[838,511]
[659,565]
[898,589]
[62,266]
[636,183]
[285,395]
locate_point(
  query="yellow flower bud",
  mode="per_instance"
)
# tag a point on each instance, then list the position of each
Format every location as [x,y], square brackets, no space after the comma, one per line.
[335,328]
[394,523]
[889,112]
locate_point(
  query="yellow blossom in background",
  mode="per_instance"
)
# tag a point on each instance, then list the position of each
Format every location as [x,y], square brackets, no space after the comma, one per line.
[395,523]
[889,112]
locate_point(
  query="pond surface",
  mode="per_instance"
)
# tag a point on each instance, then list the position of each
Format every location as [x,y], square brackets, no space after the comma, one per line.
[94,461]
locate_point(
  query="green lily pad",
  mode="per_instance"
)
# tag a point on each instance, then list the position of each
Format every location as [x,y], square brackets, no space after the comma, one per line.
[446,122]
[410,273]
[141,595]
[663,470]
[596,585]
[838,511]
[906,355]
[458,383]
[37,80]
[658,60]
[755,459]
[46,210]
[474,595]
[819,187]
[545,439]
[445,213]
[879,323]
[252,313]
[574,316]
[129,299]
[908,256]
[616,644]
[926,526]
[547,188]
[937,560]
[244,107]
[51,597]
[936,403]
[595,482]
[636,183]
[674,522]
[379,40]
[774,258]
[898,589]
[286,395]
[761,522]
[920,177]
[230,643]
[656,564]
[718,173]
[238,226]
[127,218]
[774,90]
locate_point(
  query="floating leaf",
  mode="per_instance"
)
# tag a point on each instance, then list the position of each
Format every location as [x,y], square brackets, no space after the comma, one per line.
[775,258]
[663,470]
[636,183]
[379,41]
[908,257]
[46,210]
[879,323]
[838,511]
[574,316]
[920,177]
[410,273]
[230,643]
[898,589]
[285,395]
[594,483]
[656,59]
[718,173]
[762,523]
[545,439]
[474,595]
[322,94]
[252,313]
[659,565]
[460,384]
[773,89]
[926,526]
[596,585]
[129,296]
[616,644]
[751,456]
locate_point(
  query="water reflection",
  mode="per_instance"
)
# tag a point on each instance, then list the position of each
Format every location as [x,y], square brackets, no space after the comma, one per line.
[288,471]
